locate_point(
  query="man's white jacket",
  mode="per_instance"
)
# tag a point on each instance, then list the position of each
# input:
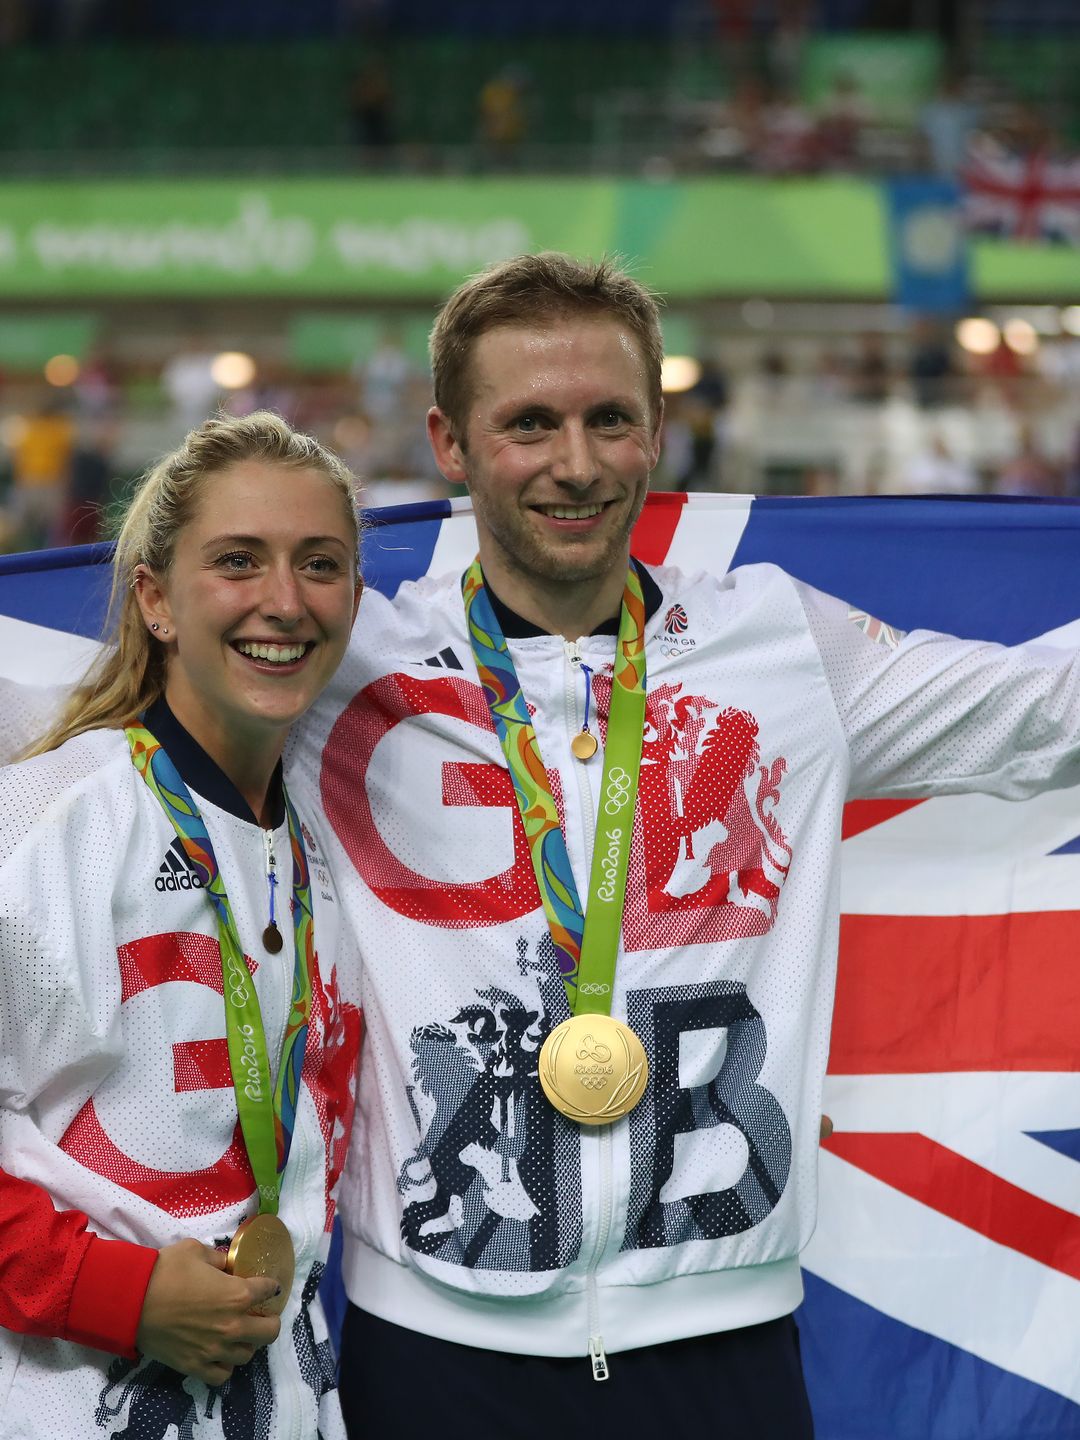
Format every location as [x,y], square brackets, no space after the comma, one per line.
[475,1212]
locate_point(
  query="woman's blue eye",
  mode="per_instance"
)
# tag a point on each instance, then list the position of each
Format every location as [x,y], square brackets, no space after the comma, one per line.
[236,560]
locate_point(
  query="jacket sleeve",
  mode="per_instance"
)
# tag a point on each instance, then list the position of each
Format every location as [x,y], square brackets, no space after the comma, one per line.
[930,714]
[59,1279]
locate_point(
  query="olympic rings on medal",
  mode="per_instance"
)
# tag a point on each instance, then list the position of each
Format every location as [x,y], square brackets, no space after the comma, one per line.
[594,987]
[618,791]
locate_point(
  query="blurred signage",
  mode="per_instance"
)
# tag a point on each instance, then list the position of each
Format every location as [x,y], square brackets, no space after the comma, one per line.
[928,245]
[406,239]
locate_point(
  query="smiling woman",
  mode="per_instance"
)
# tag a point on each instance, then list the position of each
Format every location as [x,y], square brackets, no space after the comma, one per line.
[142,847]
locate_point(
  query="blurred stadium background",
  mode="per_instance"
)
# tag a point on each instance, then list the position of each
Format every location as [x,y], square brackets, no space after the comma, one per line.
[865,215]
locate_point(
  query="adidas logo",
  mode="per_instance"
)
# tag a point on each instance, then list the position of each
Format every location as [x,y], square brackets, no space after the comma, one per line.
[175,872]
[445,660]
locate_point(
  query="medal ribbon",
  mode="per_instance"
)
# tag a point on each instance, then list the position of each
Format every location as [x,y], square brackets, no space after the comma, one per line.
[587,942]
[267,1116]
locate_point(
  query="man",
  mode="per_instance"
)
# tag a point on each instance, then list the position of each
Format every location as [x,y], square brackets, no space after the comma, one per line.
[499,1243]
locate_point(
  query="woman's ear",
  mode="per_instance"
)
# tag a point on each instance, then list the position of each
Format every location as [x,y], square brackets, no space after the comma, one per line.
[152,601]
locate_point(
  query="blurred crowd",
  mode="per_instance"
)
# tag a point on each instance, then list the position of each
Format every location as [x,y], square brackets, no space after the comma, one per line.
[903,412]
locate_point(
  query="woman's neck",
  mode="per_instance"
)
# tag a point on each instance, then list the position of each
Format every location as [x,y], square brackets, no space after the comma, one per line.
[248,762]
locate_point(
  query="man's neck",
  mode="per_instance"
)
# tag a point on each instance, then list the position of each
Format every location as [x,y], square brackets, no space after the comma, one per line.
[567,608]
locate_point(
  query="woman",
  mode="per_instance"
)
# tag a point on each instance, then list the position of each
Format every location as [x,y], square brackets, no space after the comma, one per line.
[175,1059]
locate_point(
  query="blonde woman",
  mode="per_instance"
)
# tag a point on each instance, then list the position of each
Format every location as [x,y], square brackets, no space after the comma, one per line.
[176,1057]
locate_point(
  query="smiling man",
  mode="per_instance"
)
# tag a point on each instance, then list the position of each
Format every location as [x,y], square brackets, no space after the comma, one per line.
[596,878]
[555,430]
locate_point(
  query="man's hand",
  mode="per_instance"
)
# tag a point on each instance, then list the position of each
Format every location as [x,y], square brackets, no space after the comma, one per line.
[198,1320]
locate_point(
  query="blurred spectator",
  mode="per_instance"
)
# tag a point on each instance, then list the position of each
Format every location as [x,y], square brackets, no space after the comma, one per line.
[704,405]
[41,474]
[787,41]
[931,366]
[870,370]
[841,119]
[1028,472]
[91,478]
[501,120]
[13,22]
[947,122]
[189,383]
[371,107]
[935,471]
[775,368]
[787,139]
[384,376]
[95,387]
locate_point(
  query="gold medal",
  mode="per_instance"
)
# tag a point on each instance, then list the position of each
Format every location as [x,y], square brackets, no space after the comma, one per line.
[593,1069]
[263,1246]
[583,745]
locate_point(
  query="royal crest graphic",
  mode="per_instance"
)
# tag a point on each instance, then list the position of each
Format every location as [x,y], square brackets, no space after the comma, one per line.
[710,857]
[494,1182]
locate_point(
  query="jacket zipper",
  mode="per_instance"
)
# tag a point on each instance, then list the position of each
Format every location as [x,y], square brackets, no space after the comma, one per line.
[299,1171]
[597,1355]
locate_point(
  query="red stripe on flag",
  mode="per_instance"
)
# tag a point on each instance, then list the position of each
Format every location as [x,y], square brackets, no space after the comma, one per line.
[969,1194]
[926,993]
[656,526]
[860,815]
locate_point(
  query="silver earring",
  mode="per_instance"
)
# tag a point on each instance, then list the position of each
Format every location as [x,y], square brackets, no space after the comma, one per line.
[155,627]
[164,631]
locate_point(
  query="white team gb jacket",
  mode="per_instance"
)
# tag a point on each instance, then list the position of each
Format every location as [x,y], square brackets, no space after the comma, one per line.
[115,1092]
[472,1210]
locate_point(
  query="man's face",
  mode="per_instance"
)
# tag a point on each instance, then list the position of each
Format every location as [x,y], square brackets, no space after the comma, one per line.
[557,449]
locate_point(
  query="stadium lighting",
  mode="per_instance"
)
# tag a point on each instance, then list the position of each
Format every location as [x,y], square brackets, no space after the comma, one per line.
[1021,336]
[978,335]
[679,373]
[1070,319]
[61,370]
[232,370]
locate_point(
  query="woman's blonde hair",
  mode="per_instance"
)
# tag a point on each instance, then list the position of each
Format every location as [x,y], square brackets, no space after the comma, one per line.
[130,674]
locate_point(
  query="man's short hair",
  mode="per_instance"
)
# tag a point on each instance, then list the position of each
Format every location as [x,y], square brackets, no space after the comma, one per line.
[537,291]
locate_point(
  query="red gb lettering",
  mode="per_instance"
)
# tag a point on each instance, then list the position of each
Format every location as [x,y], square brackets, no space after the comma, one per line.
[348,783]
[196,1065]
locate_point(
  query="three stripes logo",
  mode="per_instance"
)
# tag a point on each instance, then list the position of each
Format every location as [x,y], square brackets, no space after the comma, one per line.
[444,660]
[175,872]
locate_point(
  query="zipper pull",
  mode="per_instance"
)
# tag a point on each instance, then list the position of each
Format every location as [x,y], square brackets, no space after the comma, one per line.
[573,651]
[271,935]
[600,1369]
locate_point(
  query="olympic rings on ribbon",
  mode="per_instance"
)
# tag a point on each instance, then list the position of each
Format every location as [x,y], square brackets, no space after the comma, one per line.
[618,791]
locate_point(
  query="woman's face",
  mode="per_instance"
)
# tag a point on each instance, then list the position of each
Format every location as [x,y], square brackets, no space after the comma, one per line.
[258,603]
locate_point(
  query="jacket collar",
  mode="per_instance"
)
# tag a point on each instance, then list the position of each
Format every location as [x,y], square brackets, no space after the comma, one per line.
[514,627]
[204,775]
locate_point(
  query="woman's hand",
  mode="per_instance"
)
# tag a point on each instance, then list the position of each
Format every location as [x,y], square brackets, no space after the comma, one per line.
[198,1320]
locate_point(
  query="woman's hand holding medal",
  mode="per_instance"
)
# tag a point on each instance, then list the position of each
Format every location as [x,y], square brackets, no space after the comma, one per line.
[199,1320]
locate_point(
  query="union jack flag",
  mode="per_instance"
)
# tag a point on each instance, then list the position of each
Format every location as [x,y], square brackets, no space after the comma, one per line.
[1022,197]
[943,1283]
